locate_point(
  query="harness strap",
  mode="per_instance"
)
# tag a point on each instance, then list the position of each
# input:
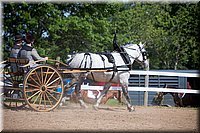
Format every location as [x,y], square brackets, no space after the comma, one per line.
[82,62]
[107,68]
[144,54]
[110,59]
[102,60]
[125,58]
[92,76]
[85,57]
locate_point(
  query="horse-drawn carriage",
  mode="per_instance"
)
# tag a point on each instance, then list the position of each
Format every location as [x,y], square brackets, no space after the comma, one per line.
[41,87]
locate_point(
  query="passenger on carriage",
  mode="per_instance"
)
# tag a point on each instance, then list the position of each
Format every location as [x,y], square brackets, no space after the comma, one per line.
[28,52]
[15,50]
[17,46]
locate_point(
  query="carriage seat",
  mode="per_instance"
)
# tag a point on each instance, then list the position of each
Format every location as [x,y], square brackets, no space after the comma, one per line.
[16,64]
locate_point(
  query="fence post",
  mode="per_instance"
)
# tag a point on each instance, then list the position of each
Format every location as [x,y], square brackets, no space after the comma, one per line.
[146,81]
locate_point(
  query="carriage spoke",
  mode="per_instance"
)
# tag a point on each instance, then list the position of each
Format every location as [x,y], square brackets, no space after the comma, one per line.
[53,81]
[53,86]
[44,100]
[37,77]
[7,82]
[46,75]
[37,97]
[42,75]
[48,99]
[33,95]
[34,80]
[50,78]
[11,78]
[21,77]
[8,79]
[52,96]
[33,85]
[40,99]
[18,77]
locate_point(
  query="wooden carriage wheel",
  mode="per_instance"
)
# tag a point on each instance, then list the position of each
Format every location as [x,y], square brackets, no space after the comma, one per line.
[43,88]
[12,94]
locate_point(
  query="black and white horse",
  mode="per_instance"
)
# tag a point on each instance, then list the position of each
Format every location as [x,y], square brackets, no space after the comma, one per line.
[118,62]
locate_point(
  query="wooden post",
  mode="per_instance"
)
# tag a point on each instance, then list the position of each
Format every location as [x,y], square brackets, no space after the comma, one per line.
[146,85]
[57,63]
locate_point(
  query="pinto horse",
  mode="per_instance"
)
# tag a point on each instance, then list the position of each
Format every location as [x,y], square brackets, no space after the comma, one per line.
[91,98]
[116,62]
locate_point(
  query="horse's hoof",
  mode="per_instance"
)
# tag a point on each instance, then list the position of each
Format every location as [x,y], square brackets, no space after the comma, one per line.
[60,105]
[63,102]
[131,109]
[83,106]
[95,107]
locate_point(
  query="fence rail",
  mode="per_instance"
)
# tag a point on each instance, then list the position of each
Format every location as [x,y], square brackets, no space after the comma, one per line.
[178,74]
[87,87]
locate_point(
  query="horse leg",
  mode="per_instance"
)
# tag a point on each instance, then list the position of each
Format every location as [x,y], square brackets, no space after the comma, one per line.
[78,90]
[67,88]
[103,93]
[127,98]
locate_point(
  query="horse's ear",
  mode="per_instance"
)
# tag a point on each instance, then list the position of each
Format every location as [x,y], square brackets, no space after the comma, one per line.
[144,43]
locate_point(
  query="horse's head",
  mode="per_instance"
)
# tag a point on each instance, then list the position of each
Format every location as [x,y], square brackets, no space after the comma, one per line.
[137,52]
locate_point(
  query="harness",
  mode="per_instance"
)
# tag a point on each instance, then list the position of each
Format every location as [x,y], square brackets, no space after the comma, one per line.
[110,58]
[125,57]
[86,55]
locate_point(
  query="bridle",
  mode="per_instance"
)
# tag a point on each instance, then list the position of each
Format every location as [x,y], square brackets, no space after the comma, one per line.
[144,54]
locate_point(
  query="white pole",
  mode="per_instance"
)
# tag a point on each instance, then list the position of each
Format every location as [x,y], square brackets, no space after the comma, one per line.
[146,85]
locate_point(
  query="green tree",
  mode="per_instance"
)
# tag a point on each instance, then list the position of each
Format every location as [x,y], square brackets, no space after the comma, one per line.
[169,30]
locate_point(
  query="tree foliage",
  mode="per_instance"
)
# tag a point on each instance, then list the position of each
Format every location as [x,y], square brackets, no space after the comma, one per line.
[170,30]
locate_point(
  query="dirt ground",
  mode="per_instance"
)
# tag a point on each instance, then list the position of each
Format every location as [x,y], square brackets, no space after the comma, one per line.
[71,118]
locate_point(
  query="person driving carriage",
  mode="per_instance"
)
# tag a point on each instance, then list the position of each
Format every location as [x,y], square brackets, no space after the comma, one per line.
[28,52]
